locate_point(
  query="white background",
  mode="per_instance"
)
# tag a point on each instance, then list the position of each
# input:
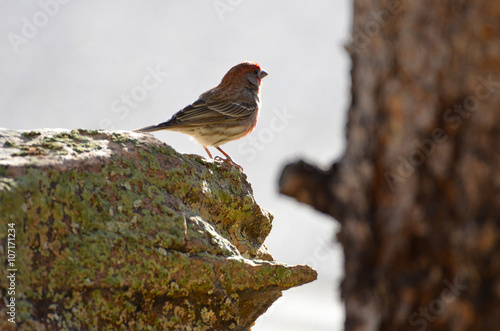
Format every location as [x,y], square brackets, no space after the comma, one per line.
[70,64]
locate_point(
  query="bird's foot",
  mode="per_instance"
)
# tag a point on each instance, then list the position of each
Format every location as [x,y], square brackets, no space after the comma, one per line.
[228,160]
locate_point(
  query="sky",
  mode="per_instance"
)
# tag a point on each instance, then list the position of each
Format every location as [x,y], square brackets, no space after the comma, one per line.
[123,64]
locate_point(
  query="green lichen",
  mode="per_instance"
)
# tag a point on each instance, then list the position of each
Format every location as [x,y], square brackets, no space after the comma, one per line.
[30,134]
[9,144]
[63,143]
[74,140]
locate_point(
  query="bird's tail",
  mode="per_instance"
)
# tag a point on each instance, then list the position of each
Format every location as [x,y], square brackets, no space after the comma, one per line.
[153,128]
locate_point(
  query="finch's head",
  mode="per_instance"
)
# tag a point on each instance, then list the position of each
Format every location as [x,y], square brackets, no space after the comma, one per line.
[244,73]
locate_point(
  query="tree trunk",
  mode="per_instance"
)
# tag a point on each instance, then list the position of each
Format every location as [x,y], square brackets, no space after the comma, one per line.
[418,189]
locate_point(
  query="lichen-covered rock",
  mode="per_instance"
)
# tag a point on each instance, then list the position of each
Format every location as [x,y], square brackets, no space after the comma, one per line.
[115,230]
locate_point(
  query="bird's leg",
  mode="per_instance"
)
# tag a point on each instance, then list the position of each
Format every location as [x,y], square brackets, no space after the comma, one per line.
[208,152]
[228,158]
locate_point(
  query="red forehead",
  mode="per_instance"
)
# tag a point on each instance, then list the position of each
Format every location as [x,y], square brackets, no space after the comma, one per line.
[246,66]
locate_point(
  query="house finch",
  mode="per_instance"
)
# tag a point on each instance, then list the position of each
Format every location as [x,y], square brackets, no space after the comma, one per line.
[222,114]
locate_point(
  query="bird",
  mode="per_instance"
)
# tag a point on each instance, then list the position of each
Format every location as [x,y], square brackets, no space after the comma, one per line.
[222,114]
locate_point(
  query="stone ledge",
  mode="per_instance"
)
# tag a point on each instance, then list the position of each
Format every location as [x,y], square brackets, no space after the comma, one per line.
[116,230]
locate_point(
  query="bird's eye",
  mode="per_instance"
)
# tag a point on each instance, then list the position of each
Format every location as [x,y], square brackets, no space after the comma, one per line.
[256,72]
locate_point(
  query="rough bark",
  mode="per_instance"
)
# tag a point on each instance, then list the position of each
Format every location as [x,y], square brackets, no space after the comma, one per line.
[118,231]
[417,191]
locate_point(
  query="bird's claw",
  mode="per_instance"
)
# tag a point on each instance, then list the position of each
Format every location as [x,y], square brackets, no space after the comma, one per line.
[227,160]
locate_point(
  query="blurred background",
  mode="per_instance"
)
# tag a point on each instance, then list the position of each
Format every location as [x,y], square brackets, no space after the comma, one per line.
[122,65]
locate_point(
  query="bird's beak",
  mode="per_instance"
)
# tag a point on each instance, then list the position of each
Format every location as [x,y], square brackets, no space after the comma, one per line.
[263,74]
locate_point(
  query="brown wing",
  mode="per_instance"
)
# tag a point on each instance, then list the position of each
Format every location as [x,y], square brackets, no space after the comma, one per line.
[202,112]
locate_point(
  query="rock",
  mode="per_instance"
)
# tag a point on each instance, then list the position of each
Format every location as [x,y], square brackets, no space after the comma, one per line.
[116,230]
